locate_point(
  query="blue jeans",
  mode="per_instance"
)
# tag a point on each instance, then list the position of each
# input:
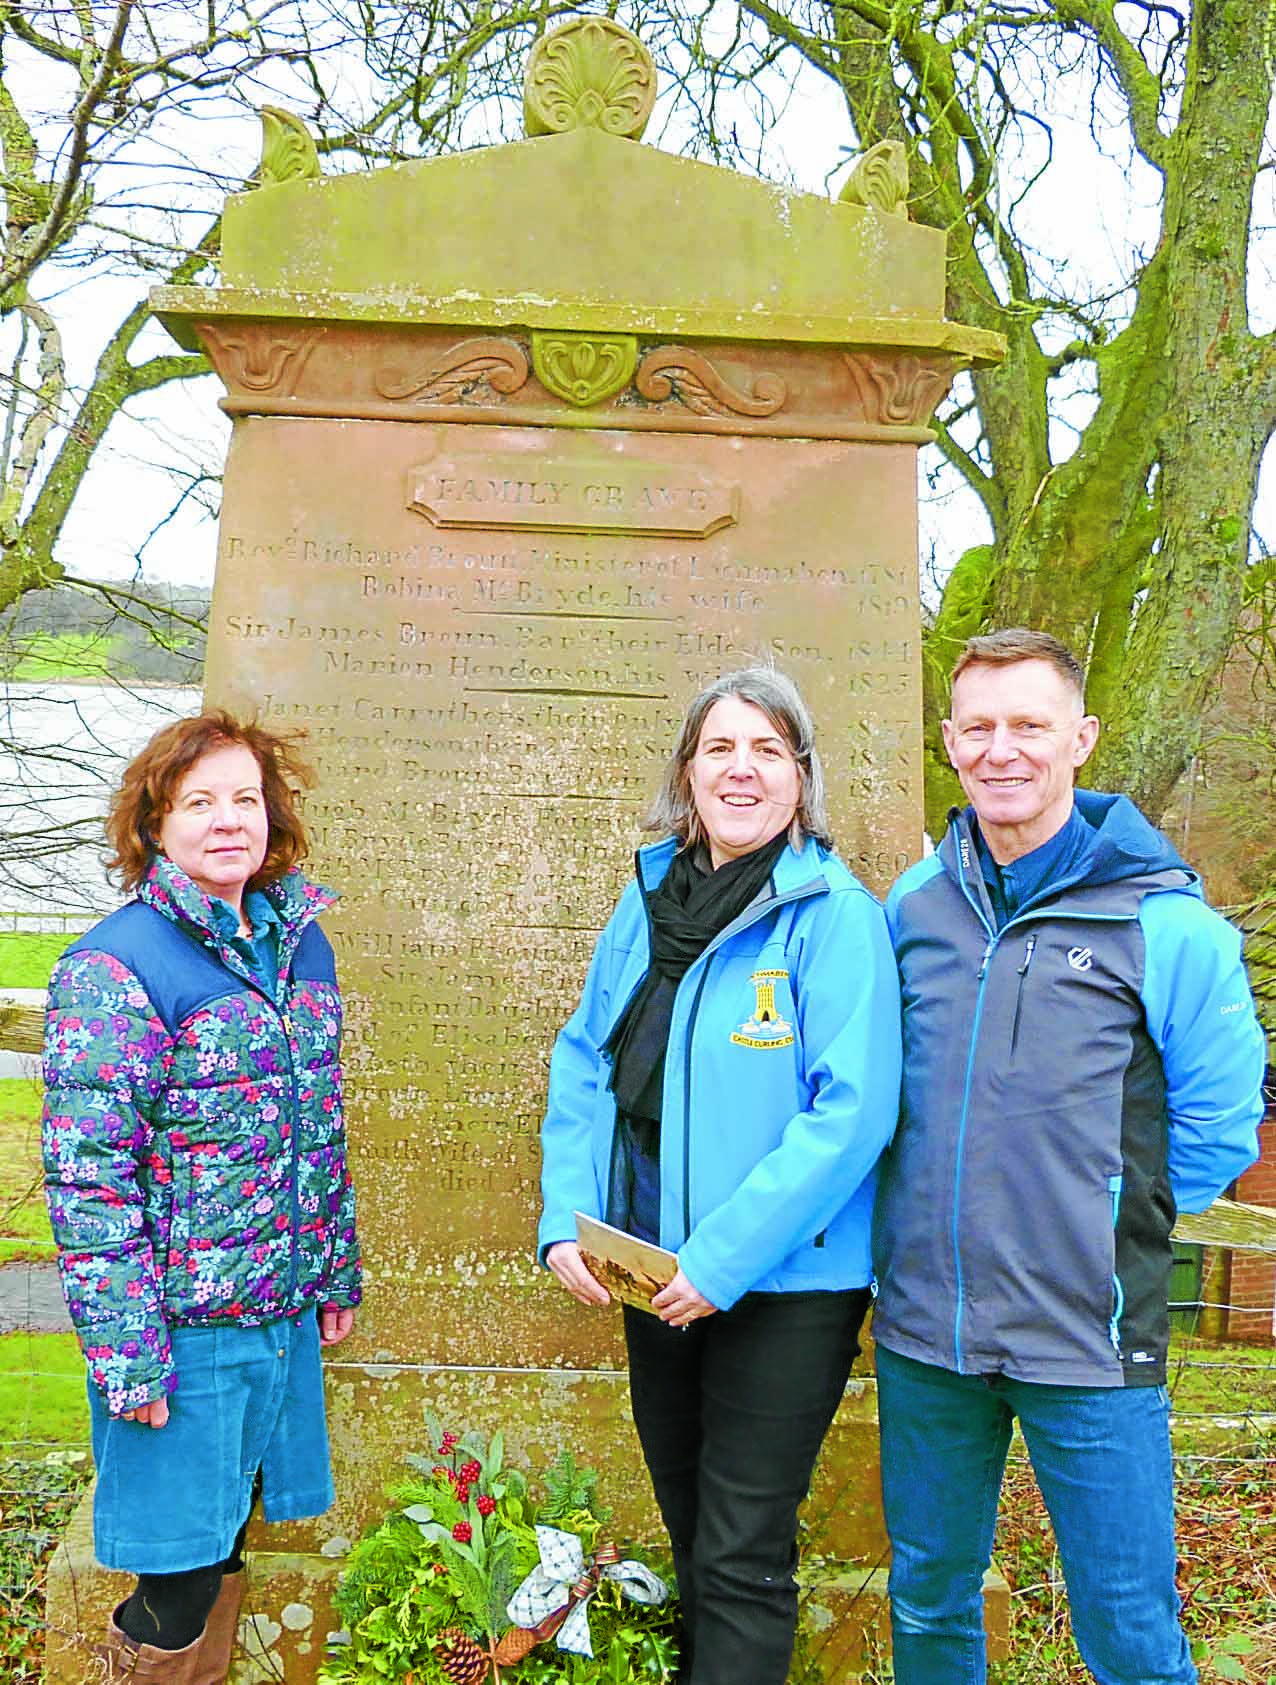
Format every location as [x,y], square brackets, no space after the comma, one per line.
[1102,1460]
[173,1498]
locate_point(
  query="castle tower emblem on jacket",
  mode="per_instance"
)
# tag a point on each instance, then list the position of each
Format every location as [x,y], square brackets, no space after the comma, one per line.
[766,1027]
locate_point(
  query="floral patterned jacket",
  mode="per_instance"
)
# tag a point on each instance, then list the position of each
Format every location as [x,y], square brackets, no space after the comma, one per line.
[194,1147]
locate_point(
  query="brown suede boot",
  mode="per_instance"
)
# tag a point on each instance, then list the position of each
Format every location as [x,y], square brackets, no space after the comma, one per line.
[218,1641]
[143,1663]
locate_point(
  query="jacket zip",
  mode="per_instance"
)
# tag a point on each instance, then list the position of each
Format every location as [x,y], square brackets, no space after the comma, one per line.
[961,1145]
[1030,947]
[750,916]
[285,965]
[1118,1292]
[686,1107]
[290,941]
[994,937]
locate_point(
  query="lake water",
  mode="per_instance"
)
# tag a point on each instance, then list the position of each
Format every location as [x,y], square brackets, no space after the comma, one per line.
[62,749]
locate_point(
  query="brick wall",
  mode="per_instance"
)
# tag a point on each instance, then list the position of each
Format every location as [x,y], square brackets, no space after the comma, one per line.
[1252,1297]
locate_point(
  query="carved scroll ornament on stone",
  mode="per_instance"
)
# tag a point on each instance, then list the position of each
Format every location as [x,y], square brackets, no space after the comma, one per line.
[262,362]
[879,180]
[501,363]
[676,372]
[288,150]
[899,391]
[590,74]
[584,369]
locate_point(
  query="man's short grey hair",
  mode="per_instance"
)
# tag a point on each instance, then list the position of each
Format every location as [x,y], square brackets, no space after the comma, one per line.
[1019,643]
[674,809]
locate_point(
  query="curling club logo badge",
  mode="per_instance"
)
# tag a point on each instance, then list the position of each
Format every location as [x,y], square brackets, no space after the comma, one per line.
[765,1028]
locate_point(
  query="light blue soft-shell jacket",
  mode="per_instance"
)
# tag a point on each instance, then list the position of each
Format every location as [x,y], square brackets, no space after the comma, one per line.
[781,1084]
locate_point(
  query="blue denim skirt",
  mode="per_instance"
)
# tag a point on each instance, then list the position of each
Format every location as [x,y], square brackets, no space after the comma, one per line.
[174,1497]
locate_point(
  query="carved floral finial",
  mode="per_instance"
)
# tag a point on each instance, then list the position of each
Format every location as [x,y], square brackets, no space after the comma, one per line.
[879,179]
[590,74]
[287,148]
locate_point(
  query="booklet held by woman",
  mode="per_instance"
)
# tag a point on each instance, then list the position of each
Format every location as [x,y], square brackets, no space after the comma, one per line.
[631,1270]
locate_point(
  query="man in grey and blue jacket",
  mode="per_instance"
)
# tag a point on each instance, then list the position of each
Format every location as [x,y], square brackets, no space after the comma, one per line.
[1081,1060]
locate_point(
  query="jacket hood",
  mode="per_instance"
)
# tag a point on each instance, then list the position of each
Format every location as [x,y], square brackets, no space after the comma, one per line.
[1123,844]
[170,891]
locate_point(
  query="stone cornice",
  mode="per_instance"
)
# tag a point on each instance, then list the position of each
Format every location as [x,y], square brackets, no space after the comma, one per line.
[179,308]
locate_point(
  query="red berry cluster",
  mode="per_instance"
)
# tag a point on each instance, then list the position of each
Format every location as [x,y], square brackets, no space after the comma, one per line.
[462,1482]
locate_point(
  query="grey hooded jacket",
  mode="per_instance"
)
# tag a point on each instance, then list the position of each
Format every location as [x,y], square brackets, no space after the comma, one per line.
[1067,1079]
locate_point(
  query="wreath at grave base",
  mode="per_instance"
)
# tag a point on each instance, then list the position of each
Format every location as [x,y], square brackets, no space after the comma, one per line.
[469,1579]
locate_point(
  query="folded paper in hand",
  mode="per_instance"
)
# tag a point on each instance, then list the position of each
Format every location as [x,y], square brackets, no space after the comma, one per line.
[631,1270]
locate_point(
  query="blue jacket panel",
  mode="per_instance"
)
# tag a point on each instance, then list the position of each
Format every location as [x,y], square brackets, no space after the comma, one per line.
[781,1084]
[1067,1079]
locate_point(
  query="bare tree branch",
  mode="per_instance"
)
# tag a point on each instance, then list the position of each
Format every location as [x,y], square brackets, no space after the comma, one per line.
[32,249]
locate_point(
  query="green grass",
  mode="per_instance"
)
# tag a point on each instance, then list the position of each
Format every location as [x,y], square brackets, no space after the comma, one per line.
[42,1398]
[37,1497]
[61,655]
[1221,1380]
[27,956]
[24,1217]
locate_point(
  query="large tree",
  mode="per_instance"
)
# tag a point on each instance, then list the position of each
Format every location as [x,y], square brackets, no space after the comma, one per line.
[1115,453]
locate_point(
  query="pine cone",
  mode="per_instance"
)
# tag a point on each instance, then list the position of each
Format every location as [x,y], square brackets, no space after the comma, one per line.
[514,1645]
[460,1658]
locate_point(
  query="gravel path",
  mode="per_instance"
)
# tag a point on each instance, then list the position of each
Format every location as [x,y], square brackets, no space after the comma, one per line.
[31,1300]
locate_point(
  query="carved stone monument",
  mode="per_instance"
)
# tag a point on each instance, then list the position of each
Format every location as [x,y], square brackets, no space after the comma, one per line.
[530,443]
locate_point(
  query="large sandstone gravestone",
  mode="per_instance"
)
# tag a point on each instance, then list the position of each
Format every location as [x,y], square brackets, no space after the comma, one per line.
[529,444]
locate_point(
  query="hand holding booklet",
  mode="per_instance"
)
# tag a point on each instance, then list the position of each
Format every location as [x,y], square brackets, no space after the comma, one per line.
[631,1270]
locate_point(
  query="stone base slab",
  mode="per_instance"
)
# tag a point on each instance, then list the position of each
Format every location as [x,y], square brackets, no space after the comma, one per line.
[288,1616]
[376,1414]
[845,1624]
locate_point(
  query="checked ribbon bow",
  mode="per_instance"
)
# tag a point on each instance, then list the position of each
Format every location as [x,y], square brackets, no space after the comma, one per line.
[555,1595]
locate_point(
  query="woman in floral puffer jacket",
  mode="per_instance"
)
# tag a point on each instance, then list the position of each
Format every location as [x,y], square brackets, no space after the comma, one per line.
[196,1171]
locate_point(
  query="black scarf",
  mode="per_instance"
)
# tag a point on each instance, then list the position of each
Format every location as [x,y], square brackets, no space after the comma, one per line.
[686,912]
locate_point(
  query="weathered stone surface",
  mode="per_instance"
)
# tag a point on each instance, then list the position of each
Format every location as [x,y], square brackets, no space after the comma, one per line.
[285,1621]
[377,1415]
[845,1620]
[510,480]
[578,209]
[489,709]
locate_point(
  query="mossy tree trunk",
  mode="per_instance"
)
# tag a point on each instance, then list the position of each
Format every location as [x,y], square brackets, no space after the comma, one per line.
[1135,548]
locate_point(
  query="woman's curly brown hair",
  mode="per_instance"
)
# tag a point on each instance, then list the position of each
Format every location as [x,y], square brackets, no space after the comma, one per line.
[150,782]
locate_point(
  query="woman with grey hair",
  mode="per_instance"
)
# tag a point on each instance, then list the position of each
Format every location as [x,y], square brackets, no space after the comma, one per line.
[724,1090]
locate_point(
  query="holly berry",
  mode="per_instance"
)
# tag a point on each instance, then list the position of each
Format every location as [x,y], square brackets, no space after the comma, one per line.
[462,1532]
[471,1471]
[486,1505]
[463,1491]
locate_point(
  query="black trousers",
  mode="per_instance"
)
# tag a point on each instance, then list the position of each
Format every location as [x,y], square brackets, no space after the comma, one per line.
[169,1611]
[731,1413]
